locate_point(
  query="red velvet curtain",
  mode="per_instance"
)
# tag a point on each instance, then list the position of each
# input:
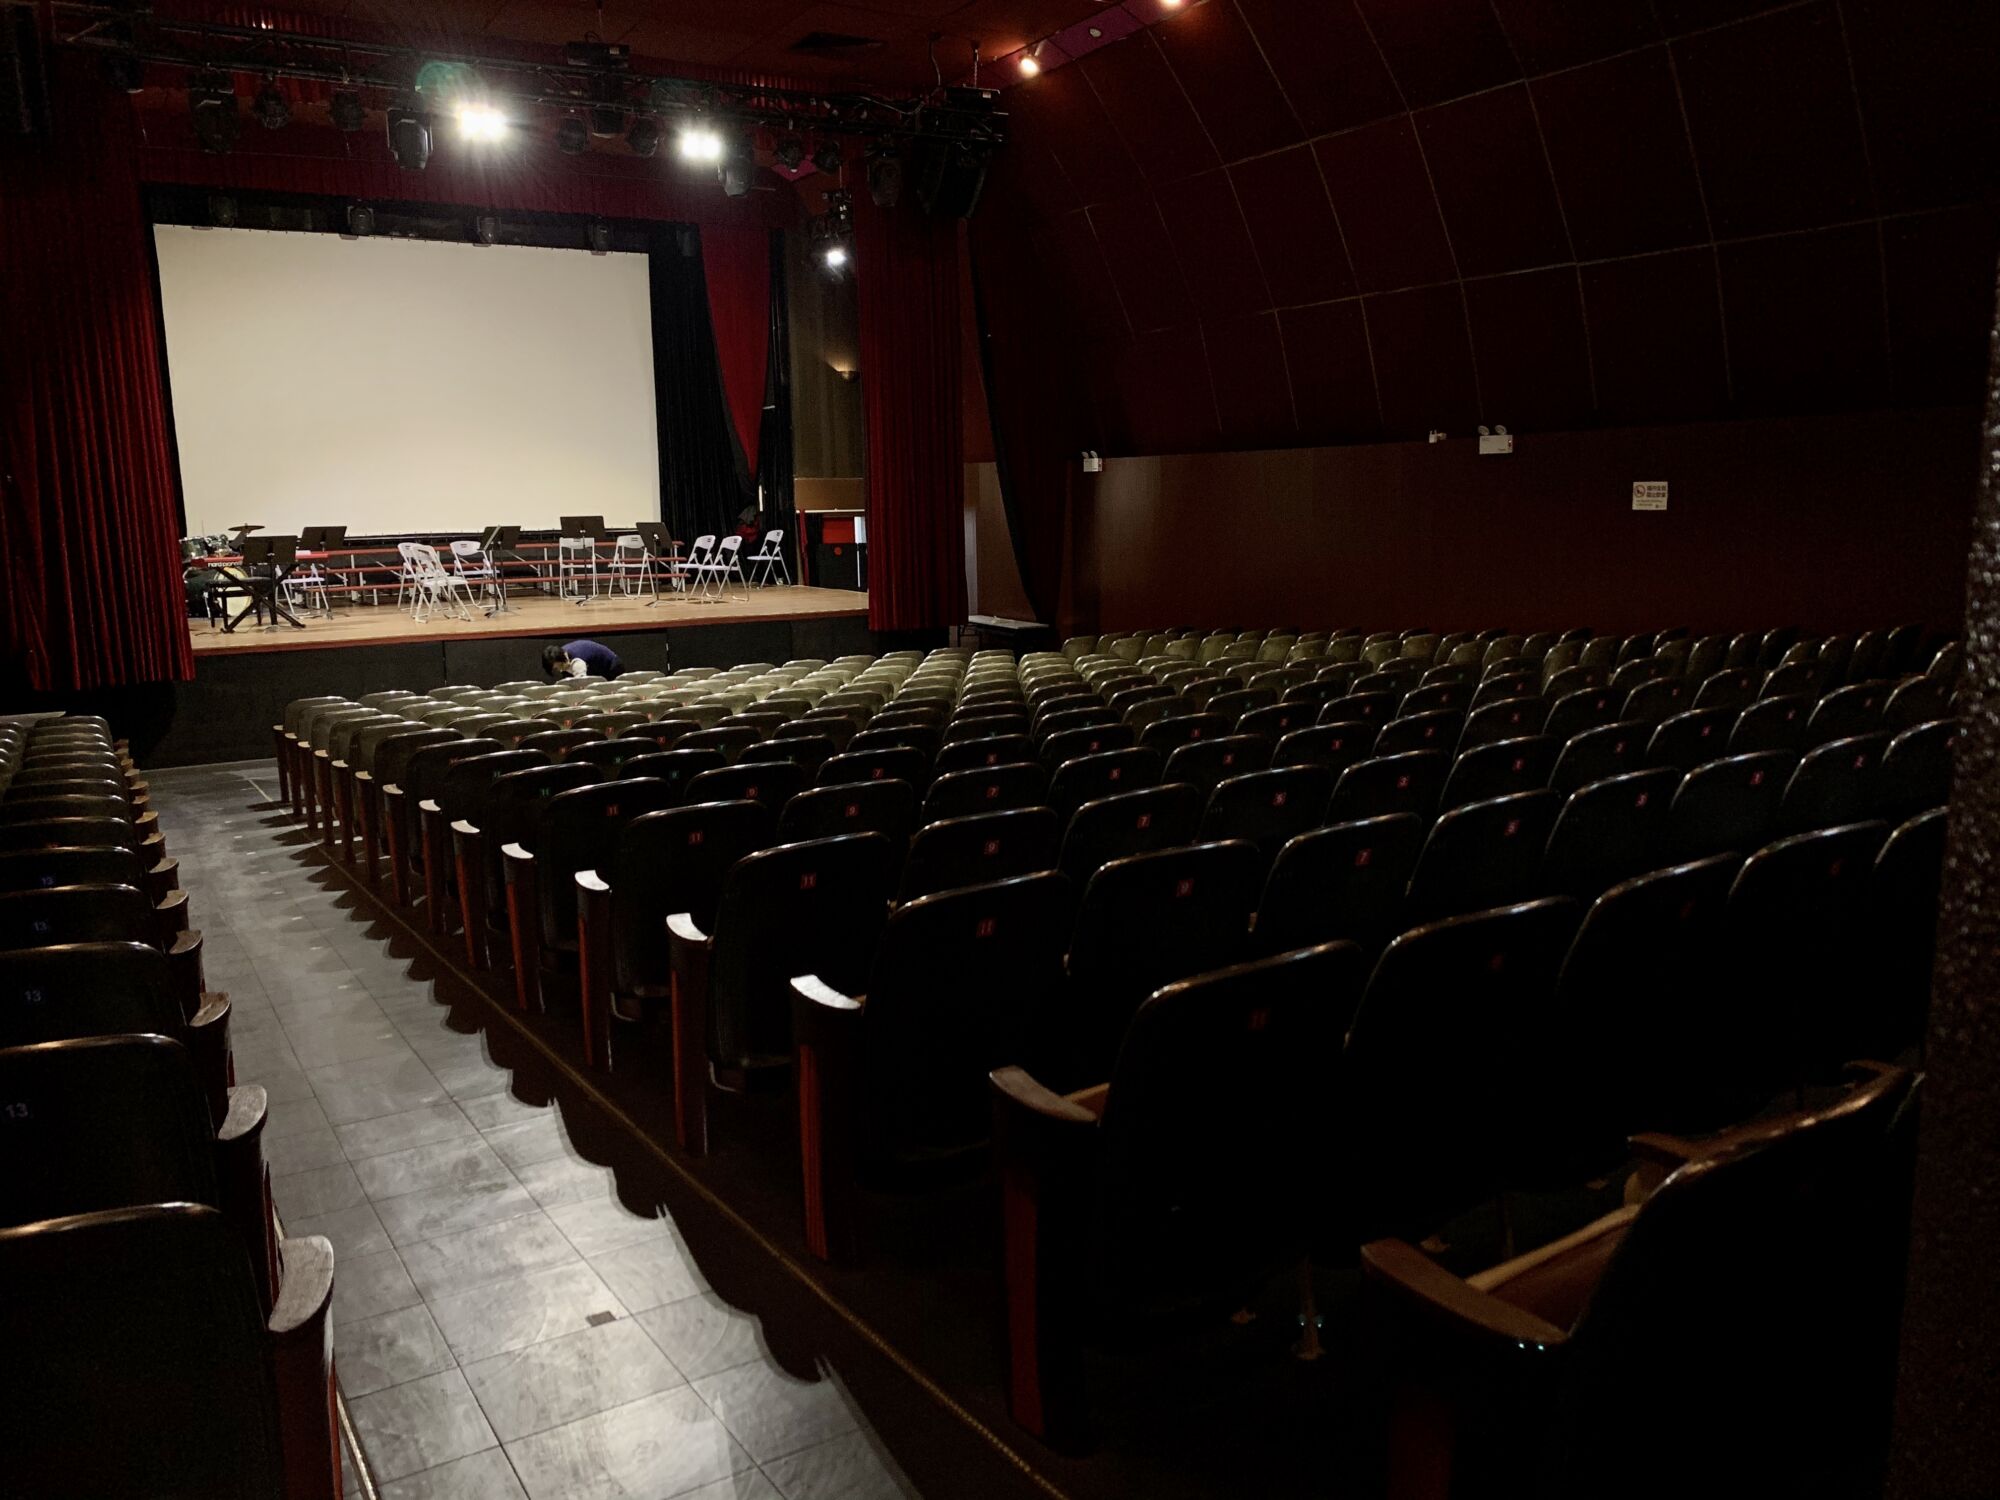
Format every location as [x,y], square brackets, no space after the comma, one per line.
[88,527]
[738,264]
[909,313]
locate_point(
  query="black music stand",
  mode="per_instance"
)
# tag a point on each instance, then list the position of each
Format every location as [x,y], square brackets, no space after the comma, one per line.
[267,562]
[661,549]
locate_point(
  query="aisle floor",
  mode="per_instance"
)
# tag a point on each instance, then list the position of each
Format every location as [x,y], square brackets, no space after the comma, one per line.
[505,1326]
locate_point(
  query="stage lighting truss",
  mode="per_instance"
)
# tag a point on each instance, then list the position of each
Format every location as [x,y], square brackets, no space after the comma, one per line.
[596,86]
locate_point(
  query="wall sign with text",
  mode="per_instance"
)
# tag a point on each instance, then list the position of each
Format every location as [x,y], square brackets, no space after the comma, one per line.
[1649,494]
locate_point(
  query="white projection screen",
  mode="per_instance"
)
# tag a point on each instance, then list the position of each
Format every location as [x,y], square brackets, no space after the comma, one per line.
[398,386]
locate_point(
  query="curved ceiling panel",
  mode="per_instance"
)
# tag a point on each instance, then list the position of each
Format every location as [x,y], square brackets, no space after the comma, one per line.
[1357,219]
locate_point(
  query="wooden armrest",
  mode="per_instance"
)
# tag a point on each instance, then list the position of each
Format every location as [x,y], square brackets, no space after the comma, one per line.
[816,992]
[208,1041]
[682,928]
[591,881]
[364,775]
[461,826]
[171,910]
[1093,1098]
[162,877]
[184,962]
[301,1327]
[515,851]
[1417,1281]
[243,1184]
[428,805]
[1509,1271]
[688,953]
[1019,1092]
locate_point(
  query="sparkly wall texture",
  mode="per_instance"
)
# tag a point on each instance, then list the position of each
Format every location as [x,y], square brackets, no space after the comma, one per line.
[1947,1441]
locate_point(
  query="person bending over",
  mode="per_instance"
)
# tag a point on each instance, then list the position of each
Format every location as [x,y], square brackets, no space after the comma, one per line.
[581,659]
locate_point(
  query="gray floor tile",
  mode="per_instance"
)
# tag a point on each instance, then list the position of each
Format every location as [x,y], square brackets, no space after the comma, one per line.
[482,1476]
[771,1413]
[512,1314]
[399,1132]
[566,1180]
[344,1041]
[457,1165]
[353,1231]
[420,1424]
[377,1086]
[529,1141]
[425,1216]
[302,1151]
[493,1252]
[369,1285]
[320,1190]
[388,1349]
[844,1468]
[748,1485]
[490,1111]
[596,1225]
[559,1380]
[291,1116]
[650,1273]
[703,1334]
[659,1446]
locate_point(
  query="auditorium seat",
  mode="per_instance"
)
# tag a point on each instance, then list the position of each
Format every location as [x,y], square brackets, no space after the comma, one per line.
[1204,763]
[504,813]
[102,913]
[1915,775]
[885,807]
[1728,805]
[771,782]
[1799,997]
[1763,1273]
[1343,881]
[1104,773]
[1145,920]
[1000,788]
[1903,899]
[1481,855]
[104,1120]
[1498,770]
[676,768]
[1508,719]
[895,763]
[1609,750]
[1386,784]
[983,750]
[413,821]
[1848,711]
[1914,701]
[1172,1178]
[825,900]
[1267,808]
[154,1357]
[1609,831]
[978,850]
[567,832]
[1837,782]
[891,1083]
[1128,823]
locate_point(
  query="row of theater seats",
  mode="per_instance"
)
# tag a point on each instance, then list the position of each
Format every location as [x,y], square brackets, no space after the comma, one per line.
[163,1338]
[700,884]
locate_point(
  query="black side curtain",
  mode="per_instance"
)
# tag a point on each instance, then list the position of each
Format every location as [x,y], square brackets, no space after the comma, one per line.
[703,478]
[774,440]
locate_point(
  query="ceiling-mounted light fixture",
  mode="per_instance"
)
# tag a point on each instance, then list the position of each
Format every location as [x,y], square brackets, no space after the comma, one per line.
[700,142]
[270,108]
[480,121]
[739,163]
[409,125]
[212,102]
[827,158]
[1030,61]
[572,136]
[643,139]
[346,110]
[790,153]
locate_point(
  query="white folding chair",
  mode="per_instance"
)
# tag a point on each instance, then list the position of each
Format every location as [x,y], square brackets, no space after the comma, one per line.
[406,576]
[770,555]
[632,567]
[699,567]
[472,566]
[576,566]
[436,586]
[729,562]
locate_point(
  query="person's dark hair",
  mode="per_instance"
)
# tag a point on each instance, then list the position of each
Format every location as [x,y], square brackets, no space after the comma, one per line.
[555,660]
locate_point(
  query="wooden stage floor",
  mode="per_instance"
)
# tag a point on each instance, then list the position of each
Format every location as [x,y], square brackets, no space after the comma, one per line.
[528,614]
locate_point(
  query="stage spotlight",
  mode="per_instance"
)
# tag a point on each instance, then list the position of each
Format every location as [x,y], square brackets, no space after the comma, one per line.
[486,229]
[360,221]
[643,139]
[885,175]
[1030,62]
[791,153]
[270,108]
[827,158]
[212,101]
[834,256]
[572,137]
[700,141]
[481,122]
[409,136]
[600,237]
[606,121]
[346,109]
[739,164]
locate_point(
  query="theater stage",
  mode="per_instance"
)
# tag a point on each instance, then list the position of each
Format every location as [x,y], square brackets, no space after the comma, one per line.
[535,614]
[243,680]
